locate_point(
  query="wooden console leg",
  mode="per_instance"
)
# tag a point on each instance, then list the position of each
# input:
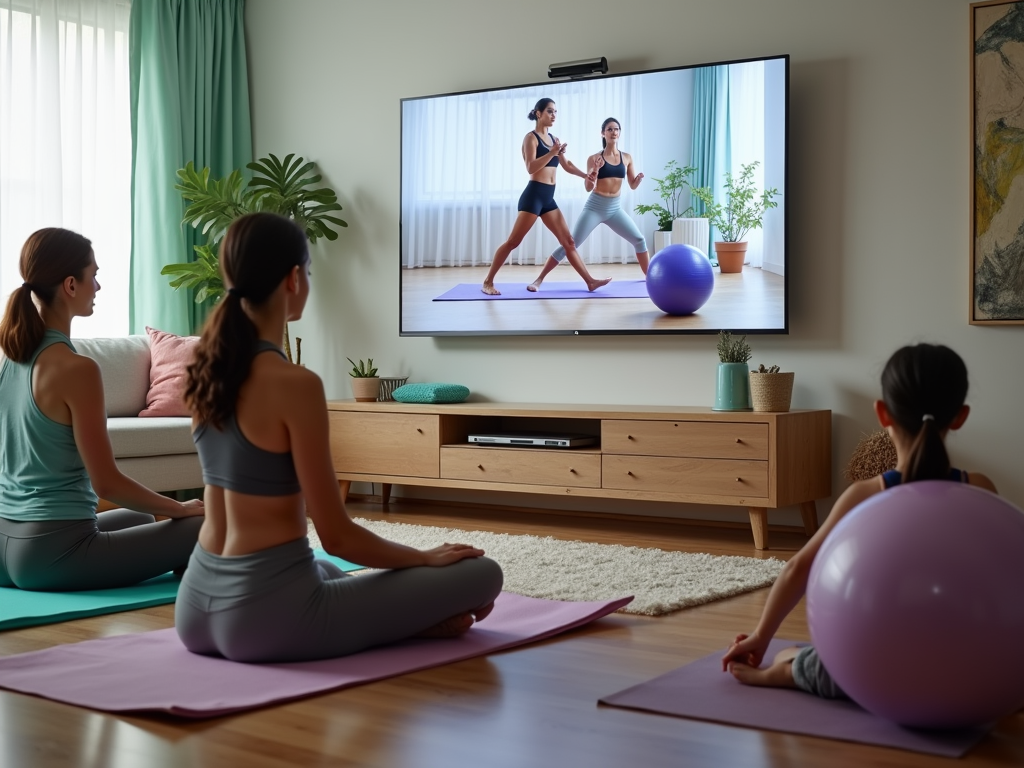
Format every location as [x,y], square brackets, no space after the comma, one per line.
[809,512]
[385,493]
[759,526]
[344,485]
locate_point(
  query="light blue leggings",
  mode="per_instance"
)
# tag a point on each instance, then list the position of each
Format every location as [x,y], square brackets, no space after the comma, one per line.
[604,210]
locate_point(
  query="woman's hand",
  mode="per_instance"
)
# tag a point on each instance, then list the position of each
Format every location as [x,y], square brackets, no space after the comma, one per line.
[558,149]
[193,508]
[449,553]
[746,649]
[636,180]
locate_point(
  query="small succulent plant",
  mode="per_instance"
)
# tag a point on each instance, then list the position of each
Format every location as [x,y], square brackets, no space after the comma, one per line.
[733,350]
[762,369]
[362,370]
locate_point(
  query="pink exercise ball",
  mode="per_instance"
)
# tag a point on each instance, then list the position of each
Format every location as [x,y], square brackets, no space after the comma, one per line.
[916,605]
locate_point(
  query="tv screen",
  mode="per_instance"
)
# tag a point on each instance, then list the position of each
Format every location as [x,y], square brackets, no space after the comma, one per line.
[493,181]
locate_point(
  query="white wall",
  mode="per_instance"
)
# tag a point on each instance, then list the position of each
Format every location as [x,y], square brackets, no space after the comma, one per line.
[878,195]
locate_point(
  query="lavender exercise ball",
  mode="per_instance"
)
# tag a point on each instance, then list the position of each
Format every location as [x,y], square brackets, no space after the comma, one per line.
[680,279]
[916,605]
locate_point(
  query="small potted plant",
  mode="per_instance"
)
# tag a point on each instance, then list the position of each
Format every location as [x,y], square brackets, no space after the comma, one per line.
[365,383]
[676,191]
[732,392]
[771,389]
[743,211]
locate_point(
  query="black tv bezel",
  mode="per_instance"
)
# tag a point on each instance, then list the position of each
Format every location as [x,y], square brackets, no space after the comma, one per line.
[784,331]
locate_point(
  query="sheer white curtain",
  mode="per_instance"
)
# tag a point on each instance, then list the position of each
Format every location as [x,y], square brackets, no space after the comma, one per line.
[65,139]
[745,140]
[463,171]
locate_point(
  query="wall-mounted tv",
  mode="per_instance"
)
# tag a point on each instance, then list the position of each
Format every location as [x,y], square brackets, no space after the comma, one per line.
[467,194]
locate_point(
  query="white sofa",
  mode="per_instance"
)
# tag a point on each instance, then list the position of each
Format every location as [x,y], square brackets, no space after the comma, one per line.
[157,452]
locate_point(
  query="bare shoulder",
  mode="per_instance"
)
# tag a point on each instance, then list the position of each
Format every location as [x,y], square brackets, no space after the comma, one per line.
[855,494]
[58,360]
[981,481]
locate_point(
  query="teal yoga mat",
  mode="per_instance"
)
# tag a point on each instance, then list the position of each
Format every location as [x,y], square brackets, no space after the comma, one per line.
[21,608]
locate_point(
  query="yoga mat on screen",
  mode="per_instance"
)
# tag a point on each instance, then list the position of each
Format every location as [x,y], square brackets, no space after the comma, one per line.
[616,289]
[702,691]
[152,671]
[24,608]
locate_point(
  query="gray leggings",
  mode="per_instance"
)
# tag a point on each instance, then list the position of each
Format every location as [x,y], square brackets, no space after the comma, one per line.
[604,210]
[281,604]
[810,675]
[116,549]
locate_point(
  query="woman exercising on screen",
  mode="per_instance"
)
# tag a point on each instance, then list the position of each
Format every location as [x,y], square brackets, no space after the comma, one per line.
[542,154]
[605,173]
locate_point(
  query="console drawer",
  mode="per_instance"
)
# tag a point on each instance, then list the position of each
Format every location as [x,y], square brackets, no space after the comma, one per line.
[522,466]
[385,443]
[698,439]
[715,477]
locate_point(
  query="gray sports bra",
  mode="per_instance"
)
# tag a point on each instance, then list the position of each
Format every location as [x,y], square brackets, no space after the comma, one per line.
[230,461]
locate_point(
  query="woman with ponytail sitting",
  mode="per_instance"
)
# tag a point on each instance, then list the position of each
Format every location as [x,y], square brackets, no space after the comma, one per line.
[253,591]
[56,454]
[923,392]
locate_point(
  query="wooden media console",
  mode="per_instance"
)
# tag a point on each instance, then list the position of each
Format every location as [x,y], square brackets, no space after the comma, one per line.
[760,461]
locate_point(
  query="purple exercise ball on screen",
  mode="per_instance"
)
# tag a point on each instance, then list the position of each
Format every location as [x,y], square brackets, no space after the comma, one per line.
[915,603]
[680,279]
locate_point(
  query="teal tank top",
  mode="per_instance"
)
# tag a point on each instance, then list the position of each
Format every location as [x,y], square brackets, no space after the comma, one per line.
[42,476]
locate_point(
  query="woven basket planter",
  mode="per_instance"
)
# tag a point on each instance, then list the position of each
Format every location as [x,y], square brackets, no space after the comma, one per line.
[389,384]
[771,391]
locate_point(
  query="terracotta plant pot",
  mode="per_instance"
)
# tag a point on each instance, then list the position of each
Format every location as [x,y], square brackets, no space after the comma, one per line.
[731,256]
[366,390]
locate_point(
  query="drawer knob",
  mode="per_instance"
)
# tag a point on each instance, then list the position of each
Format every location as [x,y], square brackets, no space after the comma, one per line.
[481,466]
[739,479]
[630,437]
[630,474]
[572,470]
[738,440]
[419,430]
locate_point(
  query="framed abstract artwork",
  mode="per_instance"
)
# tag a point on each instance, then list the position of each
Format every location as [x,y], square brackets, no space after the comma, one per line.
[997,163]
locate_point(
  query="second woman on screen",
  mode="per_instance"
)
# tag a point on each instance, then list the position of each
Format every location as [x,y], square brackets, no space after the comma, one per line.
[543,153]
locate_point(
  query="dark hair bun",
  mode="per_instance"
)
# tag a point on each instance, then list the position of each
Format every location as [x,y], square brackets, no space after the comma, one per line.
[532,115]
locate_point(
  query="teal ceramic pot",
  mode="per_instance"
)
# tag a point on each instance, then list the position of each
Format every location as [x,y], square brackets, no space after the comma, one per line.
[733,390]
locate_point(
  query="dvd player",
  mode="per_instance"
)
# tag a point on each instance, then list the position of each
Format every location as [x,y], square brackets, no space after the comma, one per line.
[533,439]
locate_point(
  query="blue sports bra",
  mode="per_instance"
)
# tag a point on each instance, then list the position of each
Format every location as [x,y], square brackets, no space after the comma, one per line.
[543,149]
[230,461]
[894,477]
[608,171]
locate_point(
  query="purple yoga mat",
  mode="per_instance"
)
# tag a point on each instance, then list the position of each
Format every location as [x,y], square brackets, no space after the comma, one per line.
[152,671]
[616,289]
[702,691]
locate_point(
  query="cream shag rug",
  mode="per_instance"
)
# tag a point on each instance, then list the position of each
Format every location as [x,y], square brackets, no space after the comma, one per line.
[555,569]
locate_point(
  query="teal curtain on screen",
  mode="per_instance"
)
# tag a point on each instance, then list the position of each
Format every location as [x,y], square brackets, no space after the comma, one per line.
[709,148]
[189,101]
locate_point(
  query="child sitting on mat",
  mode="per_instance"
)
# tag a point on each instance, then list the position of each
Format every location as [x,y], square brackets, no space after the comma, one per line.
[923,392]
[55,453]
[253,590]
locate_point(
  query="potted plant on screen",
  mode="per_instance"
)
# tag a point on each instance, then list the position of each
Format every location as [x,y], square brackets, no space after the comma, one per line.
[277,186]
[675,190]
[365,382]
[732,391]
[742,211]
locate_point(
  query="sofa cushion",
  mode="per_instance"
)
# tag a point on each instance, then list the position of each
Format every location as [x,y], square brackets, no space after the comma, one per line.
[170,355]
[132,436]
[124,365]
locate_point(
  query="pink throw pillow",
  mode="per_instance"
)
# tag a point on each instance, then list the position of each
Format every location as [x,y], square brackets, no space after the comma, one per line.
[169,355]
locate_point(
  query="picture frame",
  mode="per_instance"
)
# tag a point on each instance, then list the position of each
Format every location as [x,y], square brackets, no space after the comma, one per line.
[997,163]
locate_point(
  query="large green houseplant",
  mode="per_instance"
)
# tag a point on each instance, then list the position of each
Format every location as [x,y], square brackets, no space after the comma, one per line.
[277,186]
[742,211]
[675,190]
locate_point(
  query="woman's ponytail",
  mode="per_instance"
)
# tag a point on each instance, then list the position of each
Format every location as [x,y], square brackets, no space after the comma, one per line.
[928,458]
[47,258]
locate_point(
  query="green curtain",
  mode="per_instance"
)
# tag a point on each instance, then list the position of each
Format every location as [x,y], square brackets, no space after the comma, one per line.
[709,147]
[189,101]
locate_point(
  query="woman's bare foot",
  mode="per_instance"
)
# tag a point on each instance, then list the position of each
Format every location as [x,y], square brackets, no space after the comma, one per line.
[778,675]
[490,290]
[593,285]
[482,613]
[535,285]
[453,627]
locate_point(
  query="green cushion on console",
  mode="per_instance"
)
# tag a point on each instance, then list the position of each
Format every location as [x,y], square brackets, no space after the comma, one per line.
[431,393]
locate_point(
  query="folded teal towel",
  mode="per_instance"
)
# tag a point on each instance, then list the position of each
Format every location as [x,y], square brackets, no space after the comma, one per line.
[431,393]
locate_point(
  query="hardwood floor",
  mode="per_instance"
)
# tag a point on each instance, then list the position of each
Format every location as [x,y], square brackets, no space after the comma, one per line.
[533,706]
